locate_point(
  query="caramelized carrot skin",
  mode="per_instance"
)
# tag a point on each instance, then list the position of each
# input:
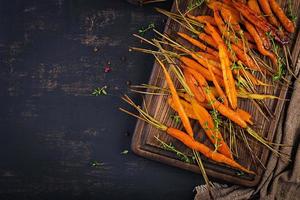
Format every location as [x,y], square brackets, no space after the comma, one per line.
[203,149]
[207,123]
[259,22]
[184,118]
[197,43]
[286,23]
[192,83]
[268,12]
[194,65]
[228,79]
[253,4]
[259,43]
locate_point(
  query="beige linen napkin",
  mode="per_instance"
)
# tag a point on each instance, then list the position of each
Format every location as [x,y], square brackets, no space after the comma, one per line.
[281,180]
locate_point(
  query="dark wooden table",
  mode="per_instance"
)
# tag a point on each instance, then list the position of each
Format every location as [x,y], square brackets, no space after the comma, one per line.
[58,141]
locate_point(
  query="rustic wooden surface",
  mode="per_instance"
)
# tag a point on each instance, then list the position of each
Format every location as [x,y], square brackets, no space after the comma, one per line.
[52,54]
[145,144]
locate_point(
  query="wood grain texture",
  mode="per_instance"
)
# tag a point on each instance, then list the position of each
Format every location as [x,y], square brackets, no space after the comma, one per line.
[145,144]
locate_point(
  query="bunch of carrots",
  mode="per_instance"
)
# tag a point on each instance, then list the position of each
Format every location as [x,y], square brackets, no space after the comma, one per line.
[224,69]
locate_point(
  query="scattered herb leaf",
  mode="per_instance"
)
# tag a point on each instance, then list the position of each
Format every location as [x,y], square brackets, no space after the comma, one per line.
[171,148]
[142,31]
[96,164]
[176,118]
[125,152]
[100,91]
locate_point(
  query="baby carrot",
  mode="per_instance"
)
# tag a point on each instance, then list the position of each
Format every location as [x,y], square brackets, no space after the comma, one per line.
[197,43]
[203,149]
[209,56]
[207,123]
[185,120]
[227,33]
[186,105]
[253,4]
[260,22]
[218,87]
[259,42]
[224,110]
[203,19]
[206,38]
[225,64]
[286,23]
[265,6]
[193,85]
[244,115]
[188,62]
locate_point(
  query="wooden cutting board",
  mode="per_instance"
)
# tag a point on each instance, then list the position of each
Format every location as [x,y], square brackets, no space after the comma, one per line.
[145,144]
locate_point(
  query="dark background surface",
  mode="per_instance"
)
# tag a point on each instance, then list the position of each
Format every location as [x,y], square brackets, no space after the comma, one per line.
[52,128]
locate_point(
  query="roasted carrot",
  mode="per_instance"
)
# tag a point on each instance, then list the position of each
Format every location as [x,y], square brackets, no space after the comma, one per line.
[227,33]
[218,87]
[216,5]
[187,98]
[263,36]
[197,43]
[230,20]
[194,65]
[193,85]
[224,110]
[185,120]
[253,4]
[186,105]
[186,139]
[260,22]
[203,19]
[286,23]
[203,149]
[207,123]
[209,56]
[244,57]
[206,38]
[244,115]
[225,64]
[259,43]
[265,6]
[203,62]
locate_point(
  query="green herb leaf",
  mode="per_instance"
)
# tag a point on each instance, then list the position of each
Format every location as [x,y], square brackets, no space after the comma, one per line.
[99,91]
[125,151]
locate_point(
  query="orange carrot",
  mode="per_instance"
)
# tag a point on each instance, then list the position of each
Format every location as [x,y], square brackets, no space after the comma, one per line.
[230,19]
[286,23]
[185,120]
[227,73]
[206,38]
[194,65]
[209,56]
[259,43]
[243,56]
[260,22]
[265,6]
[227,33]
[218,87]
[244,115]
[197,43]
[203,62]
[207,123]
[253,4]
[203,149]
[192,84]
[203,19]
[263,36]
[186,105]
[224,110]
